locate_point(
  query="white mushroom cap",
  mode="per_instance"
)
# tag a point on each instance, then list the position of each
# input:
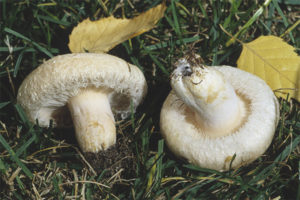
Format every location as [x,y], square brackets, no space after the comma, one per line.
[45,92]
[186,136]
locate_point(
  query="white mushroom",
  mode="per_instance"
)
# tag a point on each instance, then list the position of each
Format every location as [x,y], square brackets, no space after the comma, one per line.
[92,87]
[214,113]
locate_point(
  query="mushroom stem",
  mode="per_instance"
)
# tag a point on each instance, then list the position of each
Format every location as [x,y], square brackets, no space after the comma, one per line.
[217,107]
[93,120]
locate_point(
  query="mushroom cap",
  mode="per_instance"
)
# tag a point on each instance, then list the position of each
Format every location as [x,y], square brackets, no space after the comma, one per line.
[45,92]
[184,137]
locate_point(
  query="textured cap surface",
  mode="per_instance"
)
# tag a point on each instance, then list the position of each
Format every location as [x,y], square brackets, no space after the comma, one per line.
[45,92]
[186,139]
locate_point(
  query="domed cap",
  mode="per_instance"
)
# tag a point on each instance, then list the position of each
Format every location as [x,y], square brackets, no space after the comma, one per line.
[45,92]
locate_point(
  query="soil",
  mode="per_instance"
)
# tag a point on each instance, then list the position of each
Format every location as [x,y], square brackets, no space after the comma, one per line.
[119,157]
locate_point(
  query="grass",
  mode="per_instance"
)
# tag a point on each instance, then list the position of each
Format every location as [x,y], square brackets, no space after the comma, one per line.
[46,163]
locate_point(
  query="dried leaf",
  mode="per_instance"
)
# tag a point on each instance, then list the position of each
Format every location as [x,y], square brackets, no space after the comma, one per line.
[275,61]
[104,34]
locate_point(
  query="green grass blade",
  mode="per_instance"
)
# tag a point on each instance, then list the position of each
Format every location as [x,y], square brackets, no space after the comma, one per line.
[3,104]
[288,149]
[132,116]
[25,145]
[15,157]
[20,183]
[15,49]
[284,19]
[56,180]
[263,174]
[19,35]
[158,63]
[23,116]
[26,49]
[199,2]
[175,18]
[159,164]
[17,196]
[54,20]
[233,10]
[249,23]
[166,44]
[2,166]
[290,2]
[17,65]
[271,10]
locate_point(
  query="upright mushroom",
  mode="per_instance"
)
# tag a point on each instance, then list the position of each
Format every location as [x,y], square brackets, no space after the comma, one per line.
[91,87]
[214,113]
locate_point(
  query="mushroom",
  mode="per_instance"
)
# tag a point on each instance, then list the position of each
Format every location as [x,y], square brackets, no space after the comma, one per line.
[90,87]
[218,117]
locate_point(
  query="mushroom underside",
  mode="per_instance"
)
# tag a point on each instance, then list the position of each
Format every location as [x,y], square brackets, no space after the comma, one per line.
[247,142]
[119,103]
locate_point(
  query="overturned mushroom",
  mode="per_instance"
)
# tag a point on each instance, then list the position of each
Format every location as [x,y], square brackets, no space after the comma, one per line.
[214,113]
[92,87]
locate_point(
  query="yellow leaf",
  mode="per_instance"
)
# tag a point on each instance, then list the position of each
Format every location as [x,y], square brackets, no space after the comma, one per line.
[275,61]
[104,34]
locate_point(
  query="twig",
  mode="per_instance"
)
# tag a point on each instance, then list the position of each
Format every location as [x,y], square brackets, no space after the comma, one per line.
[85,161]
[92,182]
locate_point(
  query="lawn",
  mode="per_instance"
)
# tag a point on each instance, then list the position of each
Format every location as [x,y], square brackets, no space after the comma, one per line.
[46,163]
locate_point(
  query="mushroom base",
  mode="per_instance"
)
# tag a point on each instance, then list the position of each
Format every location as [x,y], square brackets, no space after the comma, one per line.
[93,120]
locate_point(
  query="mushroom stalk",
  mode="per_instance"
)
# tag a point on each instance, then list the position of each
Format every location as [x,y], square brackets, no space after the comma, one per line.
[93,120]
[217,108]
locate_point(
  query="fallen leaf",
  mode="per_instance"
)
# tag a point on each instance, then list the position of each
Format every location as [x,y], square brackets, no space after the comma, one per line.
[104,34]
[275,61]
